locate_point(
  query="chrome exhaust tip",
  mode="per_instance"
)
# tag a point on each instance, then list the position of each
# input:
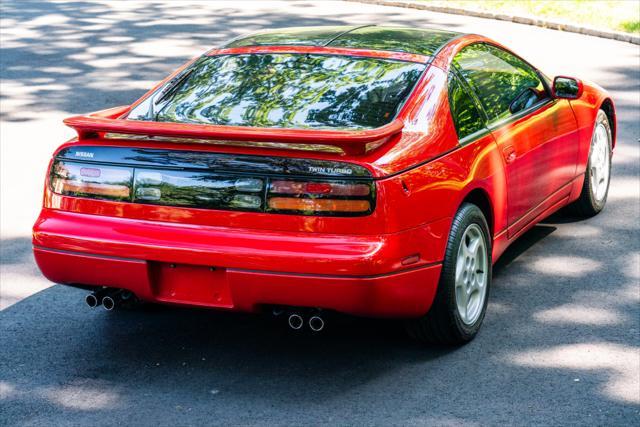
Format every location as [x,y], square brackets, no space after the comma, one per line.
[92,300]
[316,323]
[108,303]
[295,321]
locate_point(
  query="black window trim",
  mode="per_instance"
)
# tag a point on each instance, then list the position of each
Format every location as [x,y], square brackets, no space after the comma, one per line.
[497,124]
[469,92]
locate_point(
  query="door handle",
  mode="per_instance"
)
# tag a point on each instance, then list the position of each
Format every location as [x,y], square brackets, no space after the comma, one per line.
[509,153]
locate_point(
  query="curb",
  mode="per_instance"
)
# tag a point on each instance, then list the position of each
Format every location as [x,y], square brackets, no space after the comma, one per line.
[553,25]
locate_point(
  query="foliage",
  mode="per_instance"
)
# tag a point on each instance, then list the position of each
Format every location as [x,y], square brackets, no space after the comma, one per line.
[619,15]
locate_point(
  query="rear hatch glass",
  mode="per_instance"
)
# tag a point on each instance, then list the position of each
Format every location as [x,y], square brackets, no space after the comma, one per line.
[284,91]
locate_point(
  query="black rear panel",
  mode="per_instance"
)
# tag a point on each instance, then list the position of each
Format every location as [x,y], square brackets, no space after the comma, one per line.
[207,180]
[219,162]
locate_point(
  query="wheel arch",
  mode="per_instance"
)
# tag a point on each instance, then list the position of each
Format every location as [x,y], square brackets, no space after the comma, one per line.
[609,109]
[479,197]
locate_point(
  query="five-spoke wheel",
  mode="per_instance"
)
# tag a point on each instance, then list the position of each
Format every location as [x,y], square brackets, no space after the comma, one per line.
[598,172]
[471,274]
[461,300]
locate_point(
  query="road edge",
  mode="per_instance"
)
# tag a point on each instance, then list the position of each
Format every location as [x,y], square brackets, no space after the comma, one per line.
[527,20]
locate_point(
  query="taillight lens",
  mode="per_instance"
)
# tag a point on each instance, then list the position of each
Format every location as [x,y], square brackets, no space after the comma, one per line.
[318,205]
[321,197]
[208,190]
[198,190]
[320,188]
[102,182]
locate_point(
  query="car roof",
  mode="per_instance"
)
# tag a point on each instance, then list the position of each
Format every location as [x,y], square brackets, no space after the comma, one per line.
[370,37]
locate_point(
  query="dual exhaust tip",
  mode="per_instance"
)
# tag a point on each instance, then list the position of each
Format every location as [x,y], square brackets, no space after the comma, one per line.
[315,322]
[108,298]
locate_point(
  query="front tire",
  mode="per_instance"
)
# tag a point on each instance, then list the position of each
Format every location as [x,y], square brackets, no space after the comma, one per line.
[461,300]
[595,188]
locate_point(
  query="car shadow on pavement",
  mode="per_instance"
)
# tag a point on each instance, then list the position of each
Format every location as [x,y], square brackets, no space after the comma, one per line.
[197,351]
[521,245]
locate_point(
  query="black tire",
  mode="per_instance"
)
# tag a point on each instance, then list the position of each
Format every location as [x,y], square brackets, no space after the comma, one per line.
[443,324]
[586,205]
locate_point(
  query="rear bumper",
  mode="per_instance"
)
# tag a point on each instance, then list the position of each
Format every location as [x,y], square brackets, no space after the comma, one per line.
[239,269]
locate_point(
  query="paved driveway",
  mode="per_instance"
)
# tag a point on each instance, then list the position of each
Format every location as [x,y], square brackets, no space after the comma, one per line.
[560,344]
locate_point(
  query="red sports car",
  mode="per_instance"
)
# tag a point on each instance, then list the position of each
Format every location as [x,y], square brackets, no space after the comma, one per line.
[373,171]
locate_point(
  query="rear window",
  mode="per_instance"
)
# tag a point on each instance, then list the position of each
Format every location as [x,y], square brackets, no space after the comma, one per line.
[285,91]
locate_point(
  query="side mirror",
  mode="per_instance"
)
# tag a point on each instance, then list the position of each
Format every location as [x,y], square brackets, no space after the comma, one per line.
[567,87]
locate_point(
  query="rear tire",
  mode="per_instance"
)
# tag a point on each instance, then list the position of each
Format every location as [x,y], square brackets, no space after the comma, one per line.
[461,299]
[597,177]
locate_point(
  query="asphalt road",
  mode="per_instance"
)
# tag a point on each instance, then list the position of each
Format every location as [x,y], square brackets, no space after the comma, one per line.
[561,340]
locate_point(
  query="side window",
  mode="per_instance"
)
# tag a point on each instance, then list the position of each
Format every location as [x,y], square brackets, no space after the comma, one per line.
[503,82]
[466,116]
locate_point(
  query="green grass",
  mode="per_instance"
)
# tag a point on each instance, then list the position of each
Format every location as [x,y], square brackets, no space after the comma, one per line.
[618,15]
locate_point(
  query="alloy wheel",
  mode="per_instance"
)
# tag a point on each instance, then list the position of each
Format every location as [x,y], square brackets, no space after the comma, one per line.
[472,271]
[599,163]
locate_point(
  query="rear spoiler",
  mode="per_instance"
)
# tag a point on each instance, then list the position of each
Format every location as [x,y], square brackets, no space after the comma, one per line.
[351,142]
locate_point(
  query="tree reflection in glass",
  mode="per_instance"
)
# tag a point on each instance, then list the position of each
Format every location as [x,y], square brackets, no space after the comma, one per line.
[497,77]
[289,91]
[466,116]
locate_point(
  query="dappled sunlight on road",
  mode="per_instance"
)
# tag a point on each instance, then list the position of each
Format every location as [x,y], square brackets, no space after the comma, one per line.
[626,154]
[82,395]
[19,276]
[567,266]
[29,282]
[579,315]
[6,390]
[624,188]
[621,364]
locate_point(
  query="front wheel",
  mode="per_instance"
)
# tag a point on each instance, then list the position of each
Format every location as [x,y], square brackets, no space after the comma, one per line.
[595,188]
[461,300]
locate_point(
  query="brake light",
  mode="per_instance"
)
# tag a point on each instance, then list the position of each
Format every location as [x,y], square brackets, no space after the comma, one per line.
[328,188]
[319,205]
[205,188]
[320,197]
[104,182]
[106,190]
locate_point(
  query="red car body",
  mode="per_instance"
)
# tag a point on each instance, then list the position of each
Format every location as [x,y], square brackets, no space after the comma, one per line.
[386,263]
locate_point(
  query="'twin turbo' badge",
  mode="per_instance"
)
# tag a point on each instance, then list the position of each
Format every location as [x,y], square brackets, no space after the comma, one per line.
[329,171]
[84,154]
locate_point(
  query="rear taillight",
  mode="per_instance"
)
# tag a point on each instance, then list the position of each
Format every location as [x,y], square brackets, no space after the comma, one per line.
[321,197]
[318,205]
[206,189]
[198,190]
[102,182]
[320,188]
